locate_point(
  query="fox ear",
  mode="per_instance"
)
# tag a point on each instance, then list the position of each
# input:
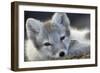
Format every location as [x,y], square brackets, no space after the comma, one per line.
[32,27]
[61,18]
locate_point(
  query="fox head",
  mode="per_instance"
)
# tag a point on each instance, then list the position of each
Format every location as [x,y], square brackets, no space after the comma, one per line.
[51,38]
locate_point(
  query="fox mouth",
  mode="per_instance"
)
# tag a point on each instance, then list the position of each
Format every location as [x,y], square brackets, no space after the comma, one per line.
[60,58]
[57,58]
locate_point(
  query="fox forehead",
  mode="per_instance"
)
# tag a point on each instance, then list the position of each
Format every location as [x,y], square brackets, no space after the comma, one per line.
[49,26]
[51,29]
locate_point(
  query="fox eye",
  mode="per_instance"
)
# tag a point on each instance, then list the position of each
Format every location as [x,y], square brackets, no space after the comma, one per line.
[62,38]
[47,44]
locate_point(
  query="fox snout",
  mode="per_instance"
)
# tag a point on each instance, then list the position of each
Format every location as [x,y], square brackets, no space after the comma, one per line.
[59,55]
[62,54]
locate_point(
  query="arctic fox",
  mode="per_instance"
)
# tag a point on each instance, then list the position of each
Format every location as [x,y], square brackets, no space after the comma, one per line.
[55,39]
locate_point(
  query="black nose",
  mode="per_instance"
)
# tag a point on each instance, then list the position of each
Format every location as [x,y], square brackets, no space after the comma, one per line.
[61,54]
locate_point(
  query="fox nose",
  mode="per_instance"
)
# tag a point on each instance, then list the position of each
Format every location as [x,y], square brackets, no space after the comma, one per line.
[62,54]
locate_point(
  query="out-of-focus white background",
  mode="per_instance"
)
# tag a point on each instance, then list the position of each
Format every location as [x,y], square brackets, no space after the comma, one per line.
[5,36]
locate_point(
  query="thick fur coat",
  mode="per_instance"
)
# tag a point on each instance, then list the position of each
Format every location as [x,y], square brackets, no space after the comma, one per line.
[55,39]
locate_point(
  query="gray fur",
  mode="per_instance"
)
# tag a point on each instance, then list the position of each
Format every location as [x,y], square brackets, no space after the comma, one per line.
[51,32]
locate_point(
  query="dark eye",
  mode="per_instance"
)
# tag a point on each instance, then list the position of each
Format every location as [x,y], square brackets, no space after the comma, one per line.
[47,44]
[62,38]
